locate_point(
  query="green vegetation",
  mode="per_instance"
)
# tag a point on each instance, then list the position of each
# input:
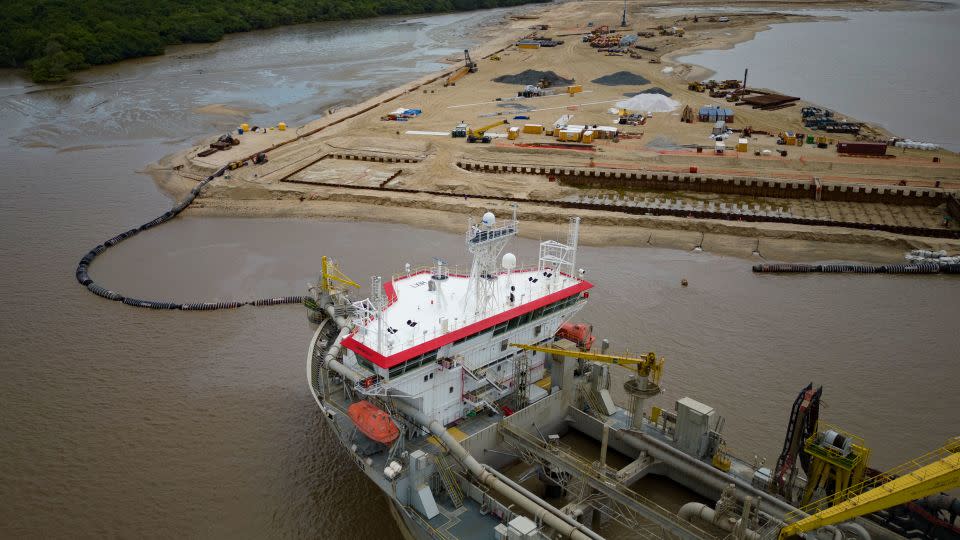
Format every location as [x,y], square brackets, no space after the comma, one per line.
[51,38]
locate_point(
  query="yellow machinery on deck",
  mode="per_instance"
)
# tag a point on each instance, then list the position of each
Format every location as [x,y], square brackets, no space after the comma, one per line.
[649,370]
[331,275]
[837,459]
[929,474]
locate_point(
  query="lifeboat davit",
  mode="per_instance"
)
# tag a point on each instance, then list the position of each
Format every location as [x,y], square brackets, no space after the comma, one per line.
[373,422]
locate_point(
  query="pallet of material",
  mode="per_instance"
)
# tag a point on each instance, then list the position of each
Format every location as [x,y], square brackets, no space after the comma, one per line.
[768,101]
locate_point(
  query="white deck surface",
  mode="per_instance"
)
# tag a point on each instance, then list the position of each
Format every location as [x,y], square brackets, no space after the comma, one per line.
[454,302]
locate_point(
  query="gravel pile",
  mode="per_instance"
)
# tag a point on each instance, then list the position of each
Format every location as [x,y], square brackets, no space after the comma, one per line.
[621,78]
[654,90]
[532,76]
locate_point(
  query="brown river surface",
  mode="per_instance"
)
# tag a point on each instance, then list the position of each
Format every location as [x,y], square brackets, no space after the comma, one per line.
[121,422]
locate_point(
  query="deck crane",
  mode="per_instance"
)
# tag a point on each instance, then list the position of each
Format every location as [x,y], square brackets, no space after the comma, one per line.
[479,134]
[648,367]
[932,473]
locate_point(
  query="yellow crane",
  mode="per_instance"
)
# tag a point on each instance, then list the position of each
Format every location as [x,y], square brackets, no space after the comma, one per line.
[932,473]
[479,134]
[647,365]
[331,274]
[649,369]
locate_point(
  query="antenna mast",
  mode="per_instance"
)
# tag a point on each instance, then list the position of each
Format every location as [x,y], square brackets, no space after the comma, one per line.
[486,240]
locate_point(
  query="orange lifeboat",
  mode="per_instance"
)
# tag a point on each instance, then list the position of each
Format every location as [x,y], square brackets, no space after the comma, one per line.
[580,334]
[373,422]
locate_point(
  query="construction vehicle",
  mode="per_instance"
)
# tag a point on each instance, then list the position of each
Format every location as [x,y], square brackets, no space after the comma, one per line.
[495,57]
[697,86]
[469,67]
[459,131]
[479,134]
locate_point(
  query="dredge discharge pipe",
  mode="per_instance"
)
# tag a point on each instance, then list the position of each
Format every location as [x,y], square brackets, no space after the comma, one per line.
[704,473]
[706,514]
[541,513]
[541,510]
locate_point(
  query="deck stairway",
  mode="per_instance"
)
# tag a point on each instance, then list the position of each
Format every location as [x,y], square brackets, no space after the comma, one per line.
[449,479]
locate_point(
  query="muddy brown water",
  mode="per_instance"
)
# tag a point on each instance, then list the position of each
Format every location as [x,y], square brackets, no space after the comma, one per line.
[117,421]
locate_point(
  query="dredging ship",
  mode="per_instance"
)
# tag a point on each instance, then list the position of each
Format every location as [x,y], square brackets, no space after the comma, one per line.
[480,409]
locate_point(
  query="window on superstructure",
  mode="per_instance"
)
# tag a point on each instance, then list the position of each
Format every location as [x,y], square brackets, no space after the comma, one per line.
[500,328]
[504,344]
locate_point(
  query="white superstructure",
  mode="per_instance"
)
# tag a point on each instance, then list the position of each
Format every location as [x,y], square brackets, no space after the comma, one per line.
[443,338]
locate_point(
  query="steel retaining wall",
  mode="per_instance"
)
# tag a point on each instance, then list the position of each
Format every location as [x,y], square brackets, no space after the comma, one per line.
[636,210]
[84,279]
[753,187]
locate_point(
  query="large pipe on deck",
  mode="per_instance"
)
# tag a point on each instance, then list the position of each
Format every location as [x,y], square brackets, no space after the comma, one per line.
[692,510]
[704,473]
[540,513]
[544,513]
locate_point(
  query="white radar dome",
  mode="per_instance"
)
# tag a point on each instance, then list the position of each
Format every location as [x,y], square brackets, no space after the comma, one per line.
[489,219]
[509,261]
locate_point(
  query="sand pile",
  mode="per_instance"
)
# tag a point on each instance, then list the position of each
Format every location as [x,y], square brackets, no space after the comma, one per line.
[649,103]
[621,78]
[654,90]
[532,76]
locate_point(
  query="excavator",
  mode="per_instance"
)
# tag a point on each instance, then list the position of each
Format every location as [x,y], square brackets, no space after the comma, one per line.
[479,134]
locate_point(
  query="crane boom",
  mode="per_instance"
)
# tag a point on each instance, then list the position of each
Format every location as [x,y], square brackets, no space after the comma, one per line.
[646,364]
[940,475]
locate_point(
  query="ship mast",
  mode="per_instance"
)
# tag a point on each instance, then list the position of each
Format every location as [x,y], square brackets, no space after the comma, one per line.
[485,240]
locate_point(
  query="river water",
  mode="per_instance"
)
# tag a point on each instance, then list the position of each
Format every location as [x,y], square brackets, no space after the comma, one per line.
[132,423]
[898,69]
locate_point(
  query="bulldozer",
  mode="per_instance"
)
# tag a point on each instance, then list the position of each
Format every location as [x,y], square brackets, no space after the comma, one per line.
[697,87]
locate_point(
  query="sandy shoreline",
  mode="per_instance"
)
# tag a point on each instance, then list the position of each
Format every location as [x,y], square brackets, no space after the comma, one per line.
[264,194]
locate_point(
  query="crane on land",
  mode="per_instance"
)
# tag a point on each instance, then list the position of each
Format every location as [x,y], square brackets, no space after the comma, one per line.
[469,66]
[479,134]
[929,474]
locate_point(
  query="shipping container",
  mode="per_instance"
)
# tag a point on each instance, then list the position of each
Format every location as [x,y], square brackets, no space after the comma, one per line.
[534,129]
[742,145]
[574,89]
[587,137]
[513,133]
[862,148]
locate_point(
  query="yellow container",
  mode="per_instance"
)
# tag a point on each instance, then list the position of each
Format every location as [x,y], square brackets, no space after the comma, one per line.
[587,137]
[534,129]
[513,133]
[245,127]
[575,89]
[282,126]
[528,45]
[742,145]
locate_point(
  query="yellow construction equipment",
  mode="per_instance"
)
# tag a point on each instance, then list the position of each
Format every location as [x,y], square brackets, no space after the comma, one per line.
[837,459]
[647,365]
[478,135]
[469,67]
[929,474]
[331,275]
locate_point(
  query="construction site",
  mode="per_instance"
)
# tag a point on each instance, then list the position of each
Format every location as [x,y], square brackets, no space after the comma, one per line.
[580,108]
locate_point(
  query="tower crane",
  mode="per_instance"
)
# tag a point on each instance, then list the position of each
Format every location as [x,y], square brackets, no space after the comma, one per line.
[935,472]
